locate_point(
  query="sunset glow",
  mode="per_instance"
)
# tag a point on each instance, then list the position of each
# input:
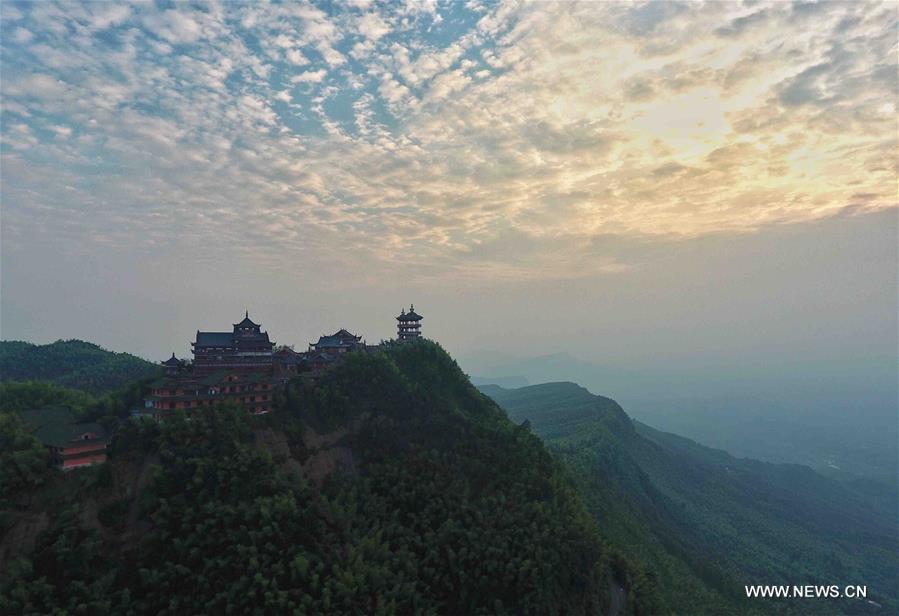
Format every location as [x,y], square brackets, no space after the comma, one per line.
[435,130]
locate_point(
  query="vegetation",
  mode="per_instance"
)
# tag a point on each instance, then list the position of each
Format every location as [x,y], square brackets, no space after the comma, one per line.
[16,396]
[24,460]
[706,522]
[72,363]
[444,506]
[393,486]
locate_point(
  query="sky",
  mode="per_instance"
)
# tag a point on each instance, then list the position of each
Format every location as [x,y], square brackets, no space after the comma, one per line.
[705,185]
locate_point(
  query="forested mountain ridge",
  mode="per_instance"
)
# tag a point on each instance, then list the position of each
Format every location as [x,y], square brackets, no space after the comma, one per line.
[708,523]
[843,427]
[72,363]
[391,486]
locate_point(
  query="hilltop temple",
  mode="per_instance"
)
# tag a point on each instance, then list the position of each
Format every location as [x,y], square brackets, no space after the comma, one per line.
[244,368]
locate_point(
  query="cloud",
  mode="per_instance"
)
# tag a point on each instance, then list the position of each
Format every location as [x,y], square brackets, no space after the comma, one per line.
[310,76]
[283,96]
[110,15]
[174,26]
[39,86]
[805,87]
[21,35]
[61,131]
[295,56]
[372,27]
[515,128]
[739,25]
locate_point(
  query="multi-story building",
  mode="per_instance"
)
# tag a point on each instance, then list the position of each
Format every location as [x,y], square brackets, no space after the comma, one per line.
[408,325]
[254,391]
[245,349]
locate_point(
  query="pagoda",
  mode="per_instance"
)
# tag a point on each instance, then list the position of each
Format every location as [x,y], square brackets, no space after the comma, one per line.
[172,365]
[408,325]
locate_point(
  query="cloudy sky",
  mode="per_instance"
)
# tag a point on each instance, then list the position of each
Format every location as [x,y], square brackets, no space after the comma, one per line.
[642,180]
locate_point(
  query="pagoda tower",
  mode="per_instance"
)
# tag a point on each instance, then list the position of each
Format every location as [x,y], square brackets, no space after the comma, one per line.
[408,325]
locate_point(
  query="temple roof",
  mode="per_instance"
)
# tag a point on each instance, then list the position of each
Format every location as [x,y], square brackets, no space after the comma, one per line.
[247,322]
[345,335]
[172,361]
[214,339]
[409,316]
[285,350]
[339,339]
[56,426]
[333,341]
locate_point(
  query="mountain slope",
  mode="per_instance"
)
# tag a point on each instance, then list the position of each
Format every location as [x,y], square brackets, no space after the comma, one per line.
[72,363]
[840,426]
[391,486]
[707,523]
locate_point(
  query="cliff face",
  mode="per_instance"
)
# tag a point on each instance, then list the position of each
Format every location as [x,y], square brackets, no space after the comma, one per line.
[391,486]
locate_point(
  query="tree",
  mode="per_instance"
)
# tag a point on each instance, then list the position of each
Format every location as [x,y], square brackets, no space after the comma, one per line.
[24,461]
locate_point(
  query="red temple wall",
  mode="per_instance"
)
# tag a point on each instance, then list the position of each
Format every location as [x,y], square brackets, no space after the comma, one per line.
[98,458]
[80,449]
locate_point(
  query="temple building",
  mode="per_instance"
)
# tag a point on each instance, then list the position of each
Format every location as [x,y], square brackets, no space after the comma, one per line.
[246,349]
[243,367]
[71,444]
[239,367]
[337,343]
[408,326]
[286,362]
[253,391]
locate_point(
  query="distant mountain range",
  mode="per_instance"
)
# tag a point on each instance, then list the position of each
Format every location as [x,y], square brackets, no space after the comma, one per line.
[509,382]
[843,435]
[708,523]
[72,363]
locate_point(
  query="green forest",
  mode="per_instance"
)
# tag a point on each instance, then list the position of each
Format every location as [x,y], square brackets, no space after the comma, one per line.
[707,523]
[441,505]
[72,363]
[392,485]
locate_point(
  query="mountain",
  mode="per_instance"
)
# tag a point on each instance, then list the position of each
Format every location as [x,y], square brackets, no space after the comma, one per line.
[553,367]
[849,440]
[845,426]
[707,523]
[72,363]
[509,382]
[389,486]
